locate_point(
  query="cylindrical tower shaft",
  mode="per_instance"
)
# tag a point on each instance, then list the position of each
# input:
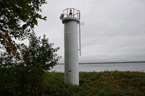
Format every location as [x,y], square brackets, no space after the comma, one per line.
[71,49]
[71,52]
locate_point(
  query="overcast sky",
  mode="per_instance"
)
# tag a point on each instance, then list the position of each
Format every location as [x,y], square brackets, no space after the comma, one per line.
[113,30]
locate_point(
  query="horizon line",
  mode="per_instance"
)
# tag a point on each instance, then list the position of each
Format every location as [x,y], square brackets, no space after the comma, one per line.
[111,62]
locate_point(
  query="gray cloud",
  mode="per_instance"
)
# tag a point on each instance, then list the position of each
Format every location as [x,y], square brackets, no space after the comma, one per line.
[113,30]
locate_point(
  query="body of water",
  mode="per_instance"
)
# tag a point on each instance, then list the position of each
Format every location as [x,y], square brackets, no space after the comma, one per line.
[105,67]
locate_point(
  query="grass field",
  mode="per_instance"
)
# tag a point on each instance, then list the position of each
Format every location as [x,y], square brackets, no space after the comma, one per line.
[107,83]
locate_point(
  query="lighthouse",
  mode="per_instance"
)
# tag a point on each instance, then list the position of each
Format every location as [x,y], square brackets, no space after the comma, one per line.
[71,20]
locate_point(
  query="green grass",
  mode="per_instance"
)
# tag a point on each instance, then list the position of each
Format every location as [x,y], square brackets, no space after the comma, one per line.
[107,83]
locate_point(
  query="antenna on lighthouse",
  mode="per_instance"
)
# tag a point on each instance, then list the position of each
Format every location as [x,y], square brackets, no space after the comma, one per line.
[71,18]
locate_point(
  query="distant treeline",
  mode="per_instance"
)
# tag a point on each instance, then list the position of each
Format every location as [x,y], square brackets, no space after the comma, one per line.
[109,62]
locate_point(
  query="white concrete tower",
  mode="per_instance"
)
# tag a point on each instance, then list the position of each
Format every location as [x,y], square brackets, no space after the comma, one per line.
[71,18]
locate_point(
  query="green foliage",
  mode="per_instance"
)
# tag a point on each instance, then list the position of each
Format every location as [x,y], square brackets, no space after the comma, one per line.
[37,58]
[8,81]
[103,84]
[26,65]
[17,19]
[27,77]
[39,52]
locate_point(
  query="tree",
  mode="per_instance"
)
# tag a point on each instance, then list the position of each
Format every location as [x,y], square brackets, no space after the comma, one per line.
[37,58]
[17,19]
[39,51]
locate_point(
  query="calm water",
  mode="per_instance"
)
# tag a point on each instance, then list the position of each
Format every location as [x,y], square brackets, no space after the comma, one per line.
[105,67]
